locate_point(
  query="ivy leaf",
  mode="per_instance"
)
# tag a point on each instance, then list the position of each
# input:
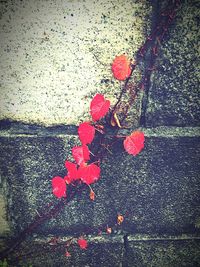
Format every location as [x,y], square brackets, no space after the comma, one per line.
[81,154]
[99,106]
[134,143]
[89,173]
[72,172]
[121,67]
[83,244]
[59,187]
[67,254]
[86,133]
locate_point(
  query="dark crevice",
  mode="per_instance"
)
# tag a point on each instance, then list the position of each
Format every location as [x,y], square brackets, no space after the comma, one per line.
[125,254]
[14,127]
[149,61]
[163,14]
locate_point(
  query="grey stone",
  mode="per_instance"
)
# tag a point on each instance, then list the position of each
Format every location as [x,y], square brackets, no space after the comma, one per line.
[55,56]
[156,191]
[110,251]
[173,97]
[4,227]
[101,252]
[165,253]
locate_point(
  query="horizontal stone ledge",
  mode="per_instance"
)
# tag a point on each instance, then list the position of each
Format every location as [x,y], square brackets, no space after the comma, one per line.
[111,251]
[117,238]
[101,238]
[168,253]
[157,192]
[10,129]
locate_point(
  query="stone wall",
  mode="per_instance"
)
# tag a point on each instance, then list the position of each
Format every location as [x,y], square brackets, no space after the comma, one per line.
[55,58]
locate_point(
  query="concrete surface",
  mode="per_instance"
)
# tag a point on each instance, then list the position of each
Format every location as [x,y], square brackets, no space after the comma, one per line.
[112,252]
[157,191]
[173,97]
[55,56]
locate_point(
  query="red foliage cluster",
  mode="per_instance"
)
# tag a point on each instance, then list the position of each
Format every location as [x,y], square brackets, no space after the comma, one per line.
[80,169]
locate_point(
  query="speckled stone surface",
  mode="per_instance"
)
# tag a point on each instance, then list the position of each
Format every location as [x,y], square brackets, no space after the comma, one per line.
[55,55]
[102,251]
[165,253]
[173,97]
[157,191]
[110,251]
[4,227]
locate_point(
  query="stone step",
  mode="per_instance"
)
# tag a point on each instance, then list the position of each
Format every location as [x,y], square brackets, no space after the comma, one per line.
[157,192]
[110,251]
[173,94]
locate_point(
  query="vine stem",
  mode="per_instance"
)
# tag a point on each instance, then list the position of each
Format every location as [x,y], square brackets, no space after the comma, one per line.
[157,35]
[54,209]
[39,219]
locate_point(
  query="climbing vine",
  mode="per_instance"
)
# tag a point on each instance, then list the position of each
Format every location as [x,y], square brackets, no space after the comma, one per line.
[95,137]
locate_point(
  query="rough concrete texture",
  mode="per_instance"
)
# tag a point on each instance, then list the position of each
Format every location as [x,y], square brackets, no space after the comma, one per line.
[101,251]
[157,191]
[174,91]
[56,55]
[110,251]
[4,227]
[165,253]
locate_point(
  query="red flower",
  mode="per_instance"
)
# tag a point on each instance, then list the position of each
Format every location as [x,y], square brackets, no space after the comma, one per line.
[86,133]
[89,173]
[121,67]
[99,107]
[59,187]
[83,244]
[134,143]
[81,154]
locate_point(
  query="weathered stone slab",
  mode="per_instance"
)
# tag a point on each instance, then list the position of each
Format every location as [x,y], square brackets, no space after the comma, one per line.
[4,227]
[165,253]
[101,251]
[56,55]
[110,251]
[173,97]
[156,192]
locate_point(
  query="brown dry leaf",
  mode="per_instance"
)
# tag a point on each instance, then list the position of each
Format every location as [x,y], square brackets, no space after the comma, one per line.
[120,219]
[92,195]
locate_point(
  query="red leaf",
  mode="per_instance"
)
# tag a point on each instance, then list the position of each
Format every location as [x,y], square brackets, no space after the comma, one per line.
[68,179]
[59,187]
[83,244]
[86,133]
[121,67]
[67,254]
[99,107]
[72,172]
[134,143]
[81,154]
[89,173]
